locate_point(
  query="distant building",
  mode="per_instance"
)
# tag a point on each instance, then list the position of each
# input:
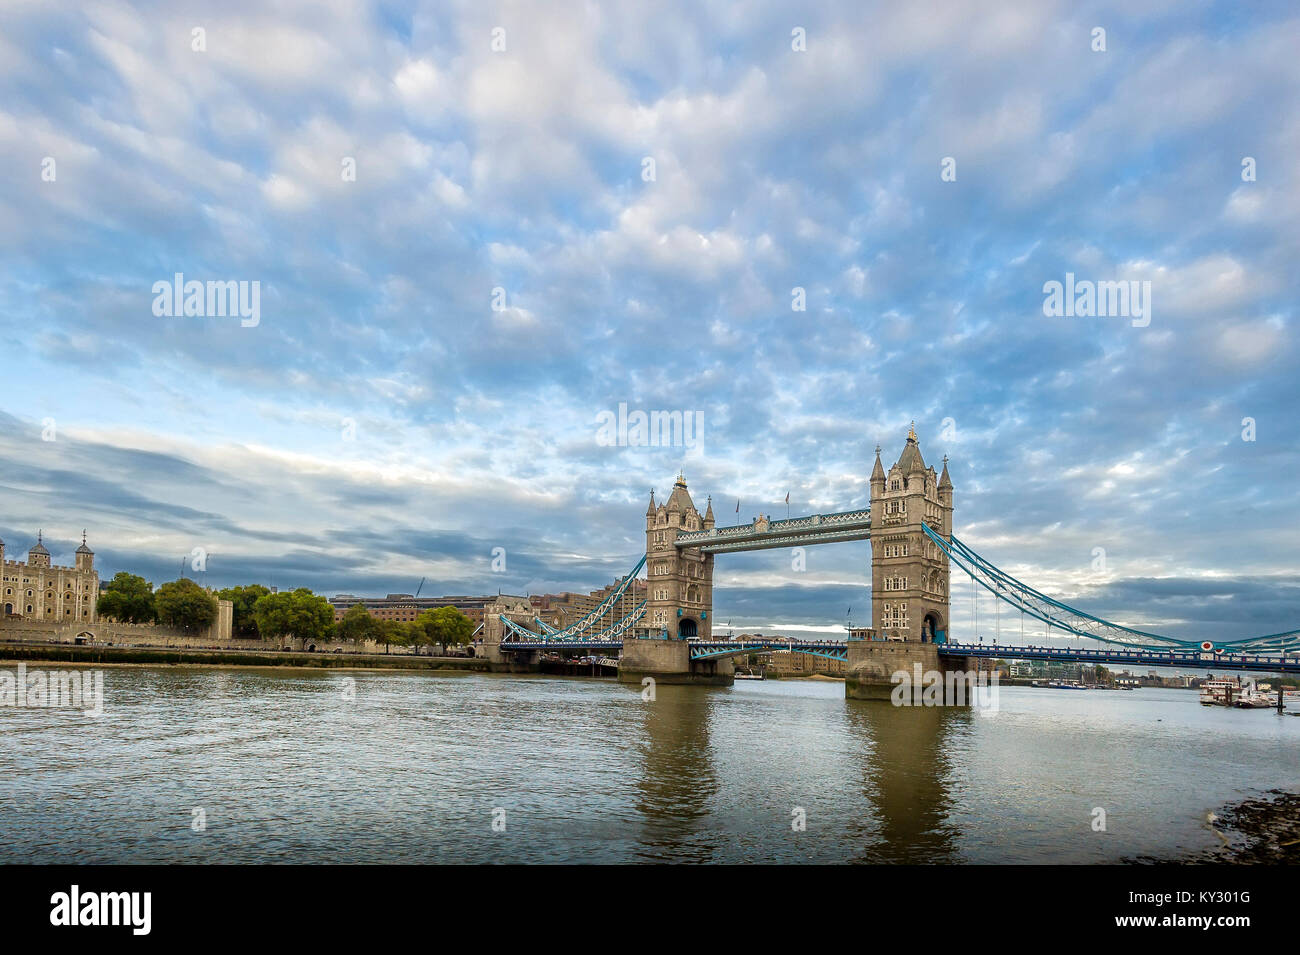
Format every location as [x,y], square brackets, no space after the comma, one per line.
[560,610]
[1039,670]
[35,589]
[793,662]
[405,607]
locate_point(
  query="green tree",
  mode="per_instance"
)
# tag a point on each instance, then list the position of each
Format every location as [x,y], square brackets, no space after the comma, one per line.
[357,625]
[389,632]
[243,622]
[127,598]
[185,605]
[419,632]
[445,626]
[296,613]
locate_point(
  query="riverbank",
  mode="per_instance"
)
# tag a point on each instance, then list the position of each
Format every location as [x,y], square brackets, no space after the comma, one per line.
[1260,831]
[159,656]
[773,675]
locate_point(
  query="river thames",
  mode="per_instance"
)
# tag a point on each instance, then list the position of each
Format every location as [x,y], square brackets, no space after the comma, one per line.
[251,765]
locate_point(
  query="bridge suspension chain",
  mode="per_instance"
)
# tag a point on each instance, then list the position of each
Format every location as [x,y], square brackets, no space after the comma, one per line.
[1054,613]
[595,616]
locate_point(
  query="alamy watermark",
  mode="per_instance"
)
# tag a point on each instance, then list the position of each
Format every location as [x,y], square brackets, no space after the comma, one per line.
[652,429]
[54,689]
[129,909]
[918,687]
[1088,299]
[194,299]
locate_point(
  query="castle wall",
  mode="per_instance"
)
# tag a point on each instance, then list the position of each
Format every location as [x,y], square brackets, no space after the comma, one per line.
[132,634]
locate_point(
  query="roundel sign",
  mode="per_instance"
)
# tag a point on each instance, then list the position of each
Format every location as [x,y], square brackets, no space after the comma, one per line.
[1207,646]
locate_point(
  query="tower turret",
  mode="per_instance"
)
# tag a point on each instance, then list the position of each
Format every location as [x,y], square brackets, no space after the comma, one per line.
[877,477]
[38,556]
[85,557]
[945,492]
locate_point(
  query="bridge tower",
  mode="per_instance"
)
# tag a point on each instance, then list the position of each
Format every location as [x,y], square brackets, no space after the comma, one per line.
[679,581]
[909,576]
[909,573]
[679,600]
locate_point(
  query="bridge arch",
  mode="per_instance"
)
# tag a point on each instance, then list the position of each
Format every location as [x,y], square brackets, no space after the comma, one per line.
[688,628]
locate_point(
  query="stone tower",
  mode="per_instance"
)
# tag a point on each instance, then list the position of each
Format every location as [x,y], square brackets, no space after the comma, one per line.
[85,557]
[909,572]
[38,556]
[679,582]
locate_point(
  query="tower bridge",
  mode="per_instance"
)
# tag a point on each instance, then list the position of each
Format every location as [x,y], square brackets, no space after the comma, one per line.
[669,635]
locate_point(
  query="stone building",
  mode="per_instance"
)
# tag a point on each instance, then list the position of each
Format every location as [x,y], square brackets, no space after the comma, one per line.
[909,572]
[563,609]
[35,589]
[793,662]
[679,582]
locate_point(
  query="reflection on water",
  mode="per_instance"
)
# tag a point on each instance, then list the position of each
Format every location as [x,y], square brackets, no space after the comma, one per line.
[906,779]
[677,780]
[287,766]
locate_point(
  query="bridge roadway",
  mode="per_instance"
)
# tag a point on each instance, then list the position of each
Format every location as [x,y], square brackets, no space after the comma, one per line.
[1190,659]
[838,650]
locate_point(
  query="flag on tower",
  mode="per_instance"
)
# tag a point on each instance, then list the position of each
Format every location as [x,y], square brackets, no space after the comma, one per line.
[737,505]
[787,497]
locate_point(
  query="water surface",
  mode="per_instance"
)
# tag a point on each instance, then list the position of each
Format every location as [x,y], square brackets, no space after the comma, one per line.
[369,766]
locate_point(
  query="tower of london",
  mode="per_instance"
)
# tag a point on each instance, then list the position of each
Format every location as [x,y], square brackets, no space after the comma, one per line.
[36,589]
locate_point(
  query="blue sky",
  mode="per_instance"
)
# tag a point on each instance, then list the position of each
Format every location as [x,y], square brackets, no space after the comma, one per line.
[383,422]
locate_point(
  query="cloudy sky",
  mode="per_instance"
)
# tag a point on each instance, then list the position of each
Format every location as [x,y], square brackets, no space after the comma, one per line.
[559,208]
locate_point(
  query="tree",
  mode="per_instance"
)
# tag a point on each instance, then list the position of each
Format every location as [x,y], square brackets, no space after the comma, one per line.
[390,631]
[185,605]
[297,613]
[357,625]
[445,626]
[128,599]
[243,623]
[419,631]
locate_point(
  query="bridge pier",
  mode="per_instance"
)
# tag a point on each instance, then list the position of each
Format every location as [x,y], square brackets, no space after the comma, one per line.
[871,665]
[516,661]
[669,661]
